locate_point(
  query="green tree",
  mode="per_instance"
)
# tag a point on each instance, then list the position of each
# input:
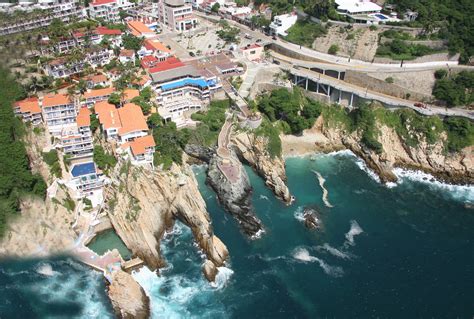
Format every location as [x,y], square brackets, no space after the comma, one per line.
[215,7]
[131,42]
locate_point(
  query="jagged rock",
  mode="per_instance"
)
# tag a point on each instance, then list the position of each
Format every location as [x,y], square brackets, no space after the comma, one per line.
[253,150]
[128,297]
[311,219]
[209,270]
[200,152]
[235,197]
[142,204]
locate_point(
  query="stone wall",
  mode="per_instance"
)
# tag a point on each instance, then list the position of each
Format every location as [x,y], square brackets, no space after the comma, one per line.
[377,85]
[427,58]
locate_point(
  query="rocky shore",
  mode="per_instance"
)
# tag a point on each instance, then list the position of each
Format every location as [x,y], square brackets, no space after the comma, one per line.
[455,168]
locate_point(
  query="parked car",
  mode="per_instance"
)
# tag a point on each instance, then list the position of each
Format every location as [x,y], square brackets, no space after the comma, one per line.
[258,40]
[420,105]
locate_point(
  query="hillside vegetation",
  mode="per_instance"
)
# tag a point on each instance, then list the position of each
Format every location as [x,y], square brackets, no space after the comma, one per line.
[16,178]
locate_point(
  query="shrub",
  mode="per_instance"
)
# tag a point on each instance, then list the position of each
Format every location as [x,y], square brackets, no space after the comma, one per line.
[389,80]
[333,49]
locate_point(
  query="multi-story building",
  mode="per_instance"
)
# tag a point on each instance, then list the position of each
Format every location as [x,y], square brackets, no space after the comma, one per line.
[45,12]
[64,67]
[177,15]
[153,47]
[179,88]
[59,113]
[108,10]
[123,124]
[92,96]
[29,110]
[140,150]
[97,80]
[282,23]
[85,178]
[76,141]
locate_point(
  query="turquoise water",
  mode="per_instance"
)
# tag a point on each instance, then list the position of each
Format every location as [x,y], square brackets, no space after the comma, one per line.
[405,251]
[109,240]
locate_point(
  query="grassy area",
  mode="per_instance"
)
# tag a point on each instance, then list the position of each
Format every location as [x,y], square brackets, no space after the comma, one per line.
[272,132]
[400,50]
[303,32]
[51,158]
[211,121]
[456,89]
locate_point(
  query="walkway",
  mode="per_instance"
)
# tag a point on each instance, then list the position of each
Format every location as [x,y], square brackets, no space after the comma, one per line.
[227,164]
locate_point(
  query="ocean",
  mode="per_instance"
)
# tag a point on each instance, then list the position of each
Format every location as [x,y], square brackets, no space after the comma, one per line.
[396,251]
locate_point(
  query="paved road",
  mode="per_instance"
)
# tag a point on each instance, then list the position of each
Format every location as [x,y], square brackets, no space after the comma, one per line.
[325,58]
[372,95]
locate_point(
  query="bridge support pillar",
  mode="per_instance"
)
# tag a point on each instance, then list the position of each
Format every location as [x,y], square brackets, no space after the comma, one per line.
[329,91]
[340,97]
[351,100]
[306,86]
[317,87]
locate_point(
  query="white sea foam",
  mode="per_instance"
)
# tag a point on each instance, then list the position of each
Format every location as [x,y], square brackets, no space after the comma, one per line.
[303,255]
[363,166]
[353,231]
[264,197]
[299,213]
[334,251]
[325,191]
[464,193]
[222,278]
[46,269]
[258,235]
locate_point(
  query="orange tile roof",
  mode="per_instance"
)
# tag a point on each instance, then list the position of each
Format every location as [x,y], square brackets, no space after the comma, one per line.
[129,94]
[156,45]
[140,144]
[139,27]
[99,92]
[98,78]
[30,105]
[83,117]
[108,115]
[142,81]
[57,99]
[132,119]
[127,53]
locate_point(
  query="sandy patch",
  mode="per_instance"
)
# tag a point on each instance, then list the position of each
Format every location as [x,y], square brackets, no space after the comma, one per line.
[301,145]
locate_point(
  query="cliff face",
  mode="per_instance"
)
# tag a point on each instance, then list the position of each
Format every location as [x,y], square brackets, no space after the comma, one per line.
[252,149]
[142,204]
[431,158]
[128,297]
[236,197]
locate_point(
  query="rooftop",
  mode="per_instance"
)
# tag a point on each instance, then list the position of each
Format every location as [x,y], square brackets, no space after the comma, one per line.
[101,2]
[98,78]
[155,45]
[57,99]
[170,63]
[127,53]
[132,119]
[184,82]
[140,144]
[357,6]
[129,94]
[99,92]
[83,117]
[139,27]
[107,31]
[108,115]
[30,105]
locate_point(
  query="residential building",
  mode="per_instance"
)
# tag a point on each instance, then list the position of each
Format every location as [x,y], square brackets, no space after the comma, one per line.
[64,10]
[97,80]
[123,124]
[129,94]
[155,48]
[176,15]
[140,150]
[76,141]
[108,10]
[139,29]
[355,7]
[142,82]
[126,56]
[253,52]
[86,178]
[282,23]
[29,110]
[59,112]
[149,61]
[92,96]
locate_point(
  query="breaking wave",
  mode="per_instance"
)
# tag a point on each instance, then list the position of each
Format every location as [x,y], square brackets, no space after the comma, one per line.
[302,254]
[464,193]
[353,231]
[264,197]
[299,213]
[222,278]
[334,251]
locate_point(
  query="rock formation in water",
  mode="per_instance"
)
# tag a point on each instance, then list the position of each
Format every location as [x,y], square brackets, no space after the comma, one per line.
[253,150]
[236,197]
[455,168]
[142,204]
[311,219]
[128,297]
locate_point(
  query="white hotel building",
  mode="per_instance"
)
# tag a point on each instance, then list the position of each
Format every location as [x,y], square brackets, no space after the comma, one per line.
[177,15]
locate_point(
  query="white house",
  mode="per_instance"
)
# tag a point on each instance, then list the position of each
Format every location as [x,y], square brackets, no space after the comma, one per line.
[282,23]
[355,7]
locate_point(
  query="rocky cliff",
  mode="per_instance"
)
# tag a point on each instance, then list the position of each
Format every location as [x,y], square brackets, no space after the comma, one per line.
[142,204]
[236,196]
[455,168]
[253,150]
[128,297]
